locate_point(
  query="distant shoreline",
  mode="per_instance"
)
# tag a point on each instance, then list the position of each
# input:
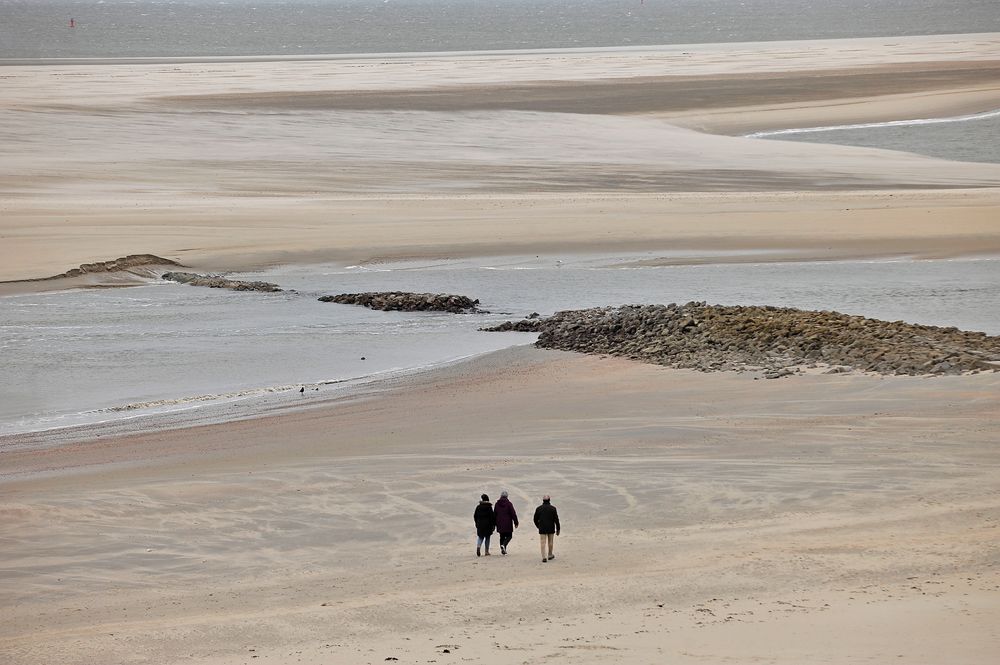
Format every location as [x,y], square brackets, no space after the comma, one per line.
[14,61]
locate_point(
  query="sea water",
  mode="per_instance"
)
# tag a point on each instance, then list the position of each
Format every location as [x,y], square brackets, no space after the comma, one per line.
[89,356]
[134,28]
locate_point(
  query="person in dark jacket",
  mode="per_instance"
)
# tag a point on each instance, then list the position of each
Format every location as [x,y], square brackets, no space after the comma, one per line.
[486,522]
[506,520]
[547,521]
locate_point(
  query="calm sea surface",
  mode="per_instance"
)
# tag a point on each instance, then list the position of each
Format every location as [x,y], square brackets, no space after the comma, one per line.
[119,28]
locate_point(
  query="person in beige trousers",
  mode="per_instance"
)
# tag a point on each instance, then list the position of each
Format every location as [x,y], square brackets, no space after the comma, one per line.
[547,521]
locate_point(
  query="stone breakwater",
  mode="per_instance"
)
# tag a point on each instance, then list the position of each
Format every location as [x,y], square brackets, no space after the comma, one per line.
[215,282]
[775,340]
[402,301]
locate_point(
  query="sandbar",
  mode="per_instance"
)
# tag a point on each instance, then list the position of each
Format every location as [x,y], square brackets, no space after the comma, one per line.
[450,155]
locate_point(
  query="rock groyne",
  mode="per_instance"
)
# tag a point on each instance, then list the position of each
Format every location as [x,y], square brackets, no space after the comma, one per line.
[775,340]
[216,282]
[402,301]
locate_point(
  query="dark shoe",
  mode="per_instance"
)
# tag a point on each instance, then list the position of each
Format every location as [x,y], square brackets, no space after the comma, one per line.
[478,553]
[487,553]
[503,550]
[552,556]
[544,560]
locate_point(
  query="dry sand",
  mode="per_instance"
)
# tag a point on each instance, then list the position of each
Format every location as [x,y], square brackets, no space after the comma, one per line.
[707,518]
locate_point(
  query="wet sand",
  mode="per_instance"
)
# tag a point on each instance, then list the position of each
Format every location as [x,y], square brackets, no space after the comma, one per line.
[799,225]
[667,95]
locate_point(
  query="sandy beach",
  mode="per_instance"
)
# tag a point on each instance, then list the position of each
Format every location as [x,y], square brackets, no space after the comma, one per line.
[707,517]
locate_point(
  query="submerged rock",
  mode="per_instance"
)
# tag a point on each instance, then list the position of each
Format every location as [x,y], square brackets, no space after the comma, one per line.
[769,339]
[524,325]
[216,282]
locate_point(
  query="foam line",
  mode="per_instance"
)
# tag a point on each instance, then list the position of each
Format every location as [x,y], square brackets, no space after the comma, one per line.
[872,125]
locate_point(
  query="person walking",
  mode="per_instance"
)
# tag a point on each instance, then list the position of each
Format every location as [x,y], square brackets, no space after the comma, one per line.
[547,521]
[506,518]
[486,522]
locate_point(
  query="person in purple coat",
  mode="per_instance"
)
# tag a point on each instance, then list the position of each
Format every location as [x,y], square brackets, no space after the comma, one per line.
[506,520]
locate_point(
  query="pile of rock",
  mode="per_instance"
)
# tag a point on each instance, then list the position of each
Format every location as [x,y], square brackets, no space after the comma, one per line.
[401,301]
[216,282]
[771,339]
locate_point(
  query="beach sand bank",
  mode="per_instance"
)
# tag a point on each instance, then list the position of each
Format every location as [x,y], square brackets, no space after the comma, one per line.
[798,225]
[705,517]
[240,165]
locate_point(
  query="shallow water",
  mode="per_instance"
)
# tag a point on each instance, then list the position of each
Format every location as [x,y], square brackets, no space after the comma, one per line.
[972,138]
[85,356]
[80,357]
